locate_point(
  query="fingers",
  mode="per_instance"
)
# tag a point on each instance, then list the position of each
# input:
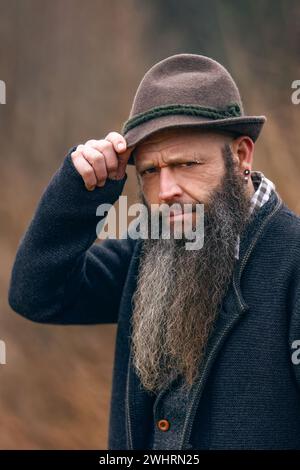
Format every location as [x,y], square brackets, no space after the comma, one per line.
[109,156]
[97,160]
[84,168]
[117,140]
[120,146]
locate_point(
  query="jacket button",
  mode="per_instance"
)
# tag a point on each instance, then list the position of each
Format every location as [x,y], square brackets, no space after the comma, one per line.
[163,424]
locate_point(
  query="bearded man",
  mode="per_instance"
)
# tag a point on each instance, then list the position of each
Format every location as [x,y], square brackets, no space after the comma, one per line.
[206,338]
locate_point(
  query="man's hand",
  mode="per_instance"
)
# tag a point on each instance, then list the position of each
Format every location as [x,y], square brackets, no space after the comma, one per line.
[98,160]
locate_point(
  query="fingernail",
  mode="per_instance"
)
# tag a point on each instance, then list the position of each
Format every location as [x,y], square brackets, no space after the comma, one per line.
[120,145]
[90,188]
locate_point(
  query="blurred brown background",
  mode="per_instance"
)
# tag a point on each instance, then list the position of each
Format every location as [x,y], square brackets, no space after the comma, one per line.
[71,70]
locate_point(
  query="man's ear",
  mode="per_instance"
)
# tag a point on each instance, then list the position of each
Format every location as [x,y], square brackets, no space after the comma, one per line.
[243,149]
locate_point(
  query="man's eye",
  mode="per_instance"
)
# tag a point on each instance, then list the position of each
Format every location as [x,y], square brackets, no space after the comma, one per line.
[148,171]
[152,170]
[188,164]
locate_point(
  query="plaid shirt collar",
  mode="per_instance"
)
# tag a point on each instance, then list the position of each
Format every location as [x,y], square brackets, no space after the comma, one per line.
[263,188]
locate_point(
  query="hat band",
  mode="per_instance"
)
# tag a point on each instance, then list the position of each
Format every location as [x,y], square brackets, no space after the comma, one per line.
[232,110]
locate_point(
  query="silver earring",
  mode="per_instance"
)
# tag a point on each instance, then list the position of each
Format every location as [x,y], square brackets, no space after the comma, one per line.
[246,173]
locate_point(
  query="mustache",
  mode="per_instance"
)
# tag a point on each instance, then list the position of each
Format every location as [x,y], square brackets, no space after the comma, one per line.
[173,208]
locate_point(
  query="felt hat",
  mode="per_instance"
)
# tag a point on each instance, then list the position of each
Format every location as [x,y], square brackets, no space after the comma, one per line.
[187,90]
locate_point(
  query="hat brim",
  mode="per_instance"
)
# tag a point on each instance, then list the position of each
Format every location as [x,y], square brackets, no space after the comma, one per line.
[244,125]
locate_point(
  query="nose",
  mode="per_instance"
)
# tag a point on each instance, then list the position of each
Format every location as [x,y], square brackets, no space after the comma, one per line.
[168,187]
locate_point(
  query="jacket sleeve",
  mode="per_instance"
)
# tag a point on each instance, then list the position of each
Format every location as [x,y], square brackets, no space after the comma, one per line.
[60,275]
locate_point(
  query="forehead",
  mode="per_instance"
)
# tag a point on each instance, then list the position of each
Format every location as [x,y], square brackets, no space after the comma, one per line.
[167,139]
[172,134]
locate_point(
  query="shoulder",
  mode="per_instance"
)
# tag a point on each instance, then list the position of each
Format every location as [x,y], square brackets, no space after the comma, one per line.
[288,220]
[284,230]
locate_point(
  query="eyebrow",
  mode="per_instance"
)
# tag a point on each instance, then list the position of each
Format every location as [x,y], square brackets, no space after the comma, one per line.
[174,159]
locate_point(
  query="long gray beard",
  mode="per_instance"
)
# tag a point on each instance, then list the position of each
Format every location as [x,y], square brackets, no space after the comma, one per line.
[179,292]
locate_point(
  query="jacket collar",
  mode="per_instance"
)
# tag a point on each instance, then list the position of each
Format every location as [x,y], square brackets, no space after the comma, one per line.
[139,403]
[257,224]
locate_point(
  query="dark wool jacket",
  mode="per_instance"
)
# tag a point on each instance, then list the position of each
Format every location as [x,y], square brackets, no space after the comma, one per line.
[248,394]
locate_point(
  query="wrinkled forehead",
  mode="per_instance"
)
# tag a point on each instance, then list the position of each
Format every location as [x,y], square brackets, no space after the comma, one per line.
[179,135]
